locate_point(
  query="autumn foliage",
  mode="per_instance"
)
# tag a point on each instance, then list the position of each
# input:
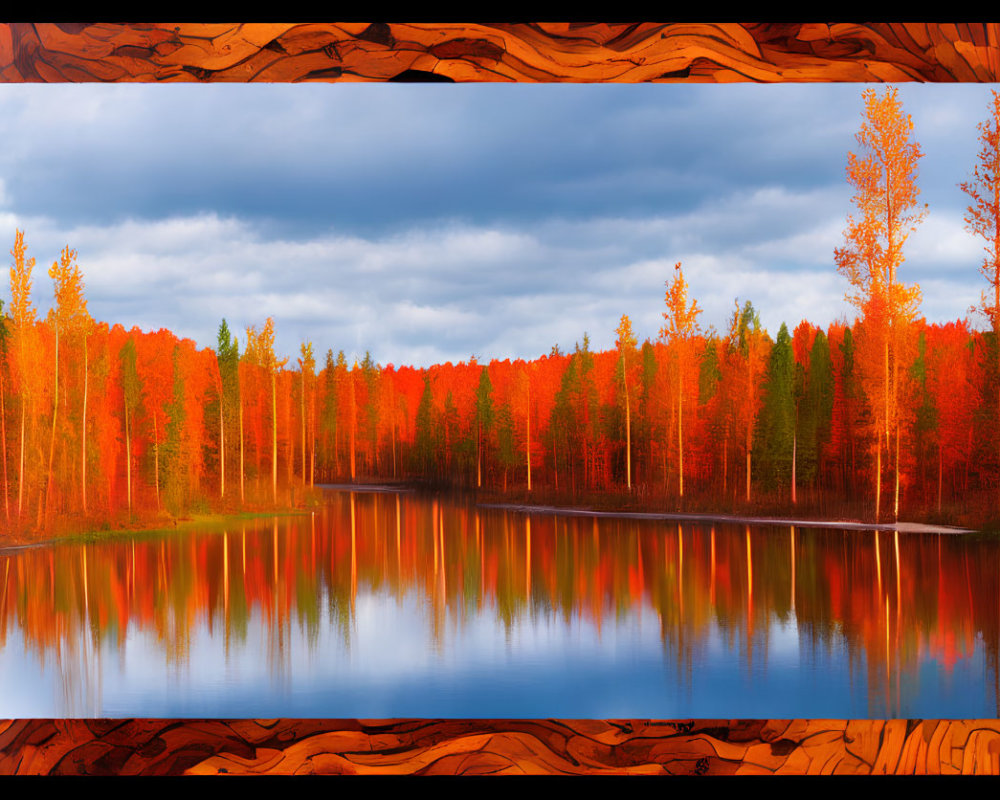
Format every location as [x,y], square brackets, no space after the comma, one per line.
[101,426]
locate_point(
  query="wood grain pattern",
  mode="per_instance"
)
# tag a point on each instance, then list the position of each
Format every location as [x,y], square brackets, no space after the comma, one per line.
[499,747]
[551,52]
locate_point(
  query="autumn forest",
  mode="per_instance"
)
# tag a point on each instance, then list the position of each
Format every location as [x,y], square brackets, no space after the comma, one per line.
[880,418]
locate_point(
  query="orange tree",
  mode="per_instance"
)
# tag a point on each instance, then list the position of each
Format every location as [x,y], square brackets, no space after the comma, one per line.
[626,344]
[982,218]
[680,327]
[884,179]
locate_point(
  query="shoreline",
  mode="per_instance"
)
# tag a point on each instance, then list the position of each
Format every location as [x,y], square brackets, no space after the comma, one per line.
[157,527]
[740,519]
[569,511]
[215,519]
[369,488]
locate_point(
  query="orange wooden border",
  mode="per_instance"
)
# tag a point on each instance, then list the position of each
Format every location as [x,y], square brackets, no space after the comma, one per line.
[550,52]
[498,746]
[584,52]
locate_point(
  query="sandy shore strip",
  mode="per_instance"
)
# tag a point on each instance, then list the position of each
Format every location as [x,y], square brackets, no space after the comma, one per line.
[902,527]
[362,488]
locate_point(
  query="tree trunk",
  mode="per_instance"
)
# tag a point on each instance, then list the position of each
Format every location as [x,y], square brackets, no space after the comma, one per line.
[748,474]
[680,432]
[222,450]
[52,437]
[878,476]
[3,451]
[156,460]
[354,422]
[303,429]
[628,435]
[290,450]
[725,463]
[527,442]
[886,355]
[128,462]
[940,465]
[274,436]
[83,428]
[20,473]
[242,495]
[795,441]
[895,509]
[555,461]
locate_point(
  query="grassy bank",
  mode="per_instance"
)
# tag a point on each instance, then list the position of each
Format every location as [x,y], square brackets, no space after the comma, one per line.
[76,529]
[219,520]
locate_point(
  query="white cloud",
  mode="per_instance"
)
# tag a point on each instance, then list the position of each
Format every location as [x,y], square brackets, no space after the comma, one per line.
[753,213]
[441,293]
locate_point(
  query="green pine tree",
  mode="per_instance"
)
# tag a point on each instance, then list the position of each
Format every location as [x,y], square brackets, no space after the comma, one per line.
[815,410]
[172,473]
[425,440]
[775,424]
[507,454]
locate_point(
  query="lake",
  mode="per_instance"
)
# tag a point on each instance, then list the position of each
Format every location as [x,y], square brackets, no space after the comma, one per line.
[384,605]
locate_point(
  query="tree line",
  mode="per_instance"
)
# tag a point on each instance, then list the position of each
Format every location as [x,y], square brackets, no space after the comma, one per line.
[885,414]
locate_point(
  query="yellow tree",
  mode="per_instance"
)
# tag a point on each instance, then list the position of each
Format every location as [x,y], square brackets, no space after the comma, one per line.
[680,327]
[307,364]
[22,313]
[884,179]
[68,316]
[3,412]
[352,410]
[270,362]
[626,344]
[982,217]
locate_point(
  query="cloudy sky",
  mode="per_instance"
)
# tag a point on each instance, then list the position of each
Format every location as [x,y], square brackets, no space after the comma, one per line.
[427,223]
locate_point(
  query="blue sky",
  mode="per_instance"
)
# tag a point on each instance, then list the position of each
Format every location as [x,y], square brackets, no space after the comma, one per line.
[428,223]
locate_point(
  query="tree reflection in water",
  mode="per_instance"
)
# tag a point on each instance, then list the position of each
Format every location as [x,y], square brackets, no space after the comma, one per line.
[933,601]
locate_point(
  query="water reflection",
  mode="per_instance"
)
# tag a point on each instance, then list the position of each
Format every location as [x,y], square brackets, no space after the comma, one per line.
[388,605]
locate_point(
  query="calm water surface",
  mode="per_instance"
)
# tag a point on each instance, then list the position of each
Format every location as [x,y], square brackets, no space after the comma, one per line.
[385,605]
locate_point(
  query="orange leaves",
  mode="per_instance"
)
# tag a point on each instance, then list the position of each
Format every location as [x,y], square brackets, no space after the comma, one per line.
[626,341]
[260,347]
[307,363]
[265,344]
[680,319]
[70,309]
[982,217]
[626,344]
[250,351]
[884,178]
[20,284]
[521,395]
[802,341]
